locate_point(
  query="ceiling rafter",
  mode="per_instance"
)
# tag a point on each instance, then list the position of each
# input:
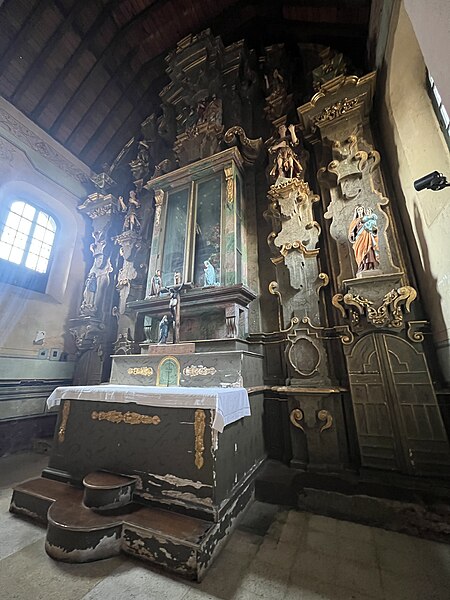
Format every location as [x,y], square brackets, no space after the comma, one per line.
[24,32]
[44,54]
[107,52]
[150,65]
[119,76]
[130,124]
[85,42]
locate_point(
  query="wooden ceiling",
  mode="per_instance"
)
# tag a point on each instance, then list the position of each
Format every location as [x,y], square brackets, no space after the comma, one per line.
[89,71]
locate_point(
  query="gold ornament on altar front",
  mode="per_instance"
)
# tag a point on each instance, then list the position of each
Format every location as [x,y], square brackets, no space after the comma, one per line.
[194,371]
[146,371]
[199,430]
[130,418]
[65,416]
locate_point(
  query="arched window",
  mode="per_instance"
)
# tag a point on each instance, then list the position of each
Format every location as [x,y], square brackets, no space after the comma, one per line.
[27,235]
[439,108]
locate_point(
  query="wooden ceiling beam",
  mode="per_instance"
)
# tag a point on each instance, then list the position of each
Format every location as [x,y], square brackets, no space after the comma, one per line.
[86,41]
[130,124]
[119,76]
[102,60]
[24,33]
[156,65]
[42,57]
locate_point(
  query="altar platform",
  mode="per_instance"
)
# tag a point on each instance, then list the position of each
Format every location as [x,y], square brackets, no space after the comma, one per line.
[159,473]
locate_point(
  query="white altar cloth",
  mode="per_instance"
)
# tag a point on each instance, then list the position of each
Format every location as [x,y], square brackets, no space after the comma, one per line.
[228,404]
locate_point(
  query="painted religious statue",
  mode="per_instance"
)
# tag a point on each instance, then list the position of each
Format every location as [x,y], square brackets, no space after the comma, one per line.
[131,222]
[363,235]
[163,330]
[286,164]
[210,274]
[155,284]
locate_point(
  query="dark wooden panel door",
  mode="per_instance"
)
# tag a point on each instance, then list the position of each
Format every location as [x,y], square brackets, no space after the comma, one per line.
[397,416]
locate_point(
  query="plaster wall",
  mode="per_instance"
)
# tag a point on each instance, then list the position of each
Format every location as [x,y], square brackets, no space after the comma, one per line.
[34,167]
[415,146]
[431,24]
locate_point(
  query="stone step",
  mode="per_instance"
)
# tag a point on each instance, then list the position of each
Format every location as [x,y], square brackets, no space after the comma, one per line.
[107,491]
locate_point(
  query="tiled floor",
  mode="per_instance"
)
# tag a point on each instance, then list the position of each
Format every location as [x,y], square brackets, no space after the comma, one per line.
[275,554]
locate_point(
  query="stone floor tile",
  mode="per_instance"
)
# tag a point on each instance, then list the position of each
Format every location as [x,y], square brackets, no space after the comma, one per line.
[132,581]
[17,533]
[357,551]
[323,524]
[315,566]
[359,578]
[19,467]
[296,517]
[318,541]
[400,587]
[354,531]
[264,586]
[31,574]
[5,500]
[282,554]
[242,542]
[317,590]
[402,557]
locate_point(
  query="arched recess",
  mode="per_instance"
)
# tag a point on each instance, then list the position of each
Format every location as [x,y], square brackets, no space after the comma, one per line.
[397,416]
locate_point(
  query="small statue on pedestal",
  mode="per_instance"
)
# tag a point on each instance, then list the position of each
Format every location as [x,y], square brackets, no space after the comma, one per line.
[163,330]
[155,284]
[363,235]
[210,273]
[131,221]
[90,289]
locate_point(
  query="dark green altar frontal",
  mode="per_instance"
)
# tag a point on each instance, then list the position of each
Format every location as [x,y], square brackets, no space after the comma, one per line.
[191,482]
[162,456]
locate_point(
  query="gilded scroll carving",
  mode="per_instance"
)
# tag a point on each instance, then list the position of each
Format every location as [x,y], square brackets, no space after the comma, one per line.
[64,418]
[146,371]
[336,110]
[388,314]
[199,430]
[324,415]
[195,371]
[130,418]
[296,418]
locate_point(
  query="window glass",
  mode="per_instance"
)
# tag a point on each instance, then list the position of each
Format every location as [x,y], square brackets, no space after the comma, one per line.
[26,239]
[207,232]
[440,109]
[175,236]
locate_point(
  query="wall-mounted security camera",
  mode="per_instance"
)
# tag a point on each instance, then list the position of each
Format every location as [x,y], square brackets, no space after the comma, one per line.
[433,181]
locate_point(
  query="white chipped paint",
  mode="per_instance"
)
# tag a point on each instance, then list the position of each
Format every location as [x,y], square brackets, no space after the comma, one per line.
[123,499]
[166,553]
[144,535]
[13,508]
[188,497]
[180,482]
[108,546]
